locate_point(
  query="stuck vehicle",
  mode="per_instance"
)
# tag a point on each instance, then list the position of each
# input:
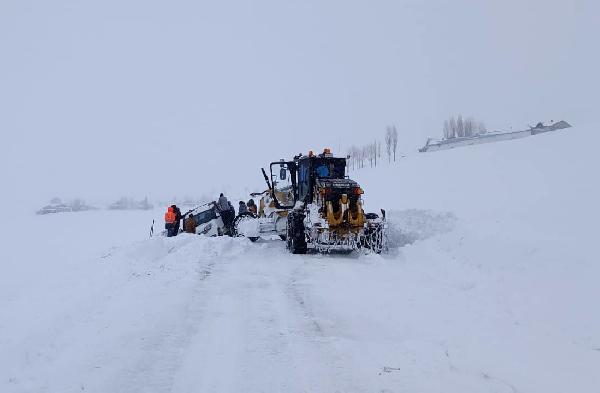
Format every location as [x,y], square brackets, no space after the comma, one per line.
[208,220]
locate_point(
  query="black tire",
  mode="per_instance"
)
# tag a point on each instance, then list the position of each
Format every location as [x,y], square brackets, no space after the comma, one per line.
[371,233]
[295,241]
[283,237]
[237,220]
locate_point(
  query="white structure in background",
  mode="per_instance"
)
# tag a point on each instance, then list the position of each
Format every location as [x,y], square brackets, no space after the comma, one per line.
[443,144]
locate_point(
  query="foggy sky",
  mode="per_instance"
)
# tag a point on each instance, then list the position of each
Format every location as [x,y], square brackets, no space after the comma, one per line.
[109,98]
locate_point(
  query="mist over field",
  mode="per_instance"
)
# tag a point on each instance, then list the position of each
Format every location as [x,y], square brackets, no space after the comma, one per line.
[144,98]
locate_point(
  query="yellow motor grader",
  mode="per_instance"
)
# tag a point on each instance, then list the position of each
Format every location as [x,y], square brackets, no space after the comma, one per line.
[324,207]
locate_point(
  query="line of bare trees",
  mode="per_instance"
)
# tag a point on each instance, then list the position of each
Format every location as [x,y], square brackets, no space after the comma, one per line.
[391,141]
[371,153]
[459,127]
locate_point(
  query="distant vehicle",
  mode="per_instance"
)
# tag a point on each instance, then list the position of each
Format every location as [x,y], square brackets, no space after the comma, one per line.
[121,204]
[54,208]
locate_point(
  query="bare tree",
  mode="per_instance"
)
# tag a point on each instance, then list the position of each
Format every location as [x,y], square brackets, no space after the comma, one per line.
[375,148]
[351,158]
[394,141]
[469,126]
[356,157]
[371,153]
[364,155]
[453,128]
[388,142]
[448,132]
[460,127]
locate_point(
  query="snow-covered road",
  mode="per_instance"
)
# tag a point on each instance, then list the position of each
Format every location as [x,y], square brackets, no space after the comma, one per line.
[195,314]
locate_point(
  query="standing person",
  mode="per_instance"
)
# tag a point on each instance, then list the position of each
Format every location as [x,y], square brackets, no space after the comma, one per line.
[223,206]
[231,212]
[190,224]
[177,220]
[223,203]
[170,221]
[243,209]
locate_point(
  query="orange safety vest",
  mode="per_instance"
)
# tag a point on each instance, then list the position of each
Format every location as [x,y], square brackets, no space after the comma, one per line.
[170,216]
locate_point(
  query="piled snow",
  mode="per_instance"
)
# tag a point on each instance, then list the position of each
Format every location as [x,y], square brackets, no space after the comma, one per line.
[490,287]
[249,227]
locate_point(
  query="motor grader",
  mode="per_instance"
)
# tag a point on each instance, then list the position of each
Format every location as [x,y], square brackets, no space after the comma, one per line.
[324,207]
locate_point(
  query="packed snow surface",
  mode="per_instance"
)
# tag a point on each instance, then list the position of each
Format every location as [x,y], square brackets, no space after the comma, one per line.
[490,285]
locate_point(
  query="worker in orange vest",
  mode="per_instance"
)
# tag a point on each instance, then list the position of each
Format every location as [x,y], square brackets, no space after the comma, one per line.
[170,218]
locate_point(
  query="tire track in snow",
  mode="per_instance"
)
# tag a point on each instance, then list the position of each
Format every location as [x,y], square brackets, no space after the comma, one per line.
[296,295]
[128,332]
[255,336]
[340,371]
[158,366]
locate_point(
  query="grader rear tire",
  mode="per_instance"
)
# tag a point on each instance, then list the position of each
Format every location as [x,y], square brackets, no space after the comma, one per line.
[295,242]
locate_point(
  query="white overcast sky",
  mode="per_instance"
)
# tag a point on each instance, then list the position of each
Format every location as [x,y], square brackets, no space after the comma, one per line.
[106,98]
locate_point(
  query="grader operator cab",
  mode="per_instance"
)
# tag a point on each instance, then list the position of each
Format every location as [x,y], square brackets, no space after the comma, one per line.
[325,209]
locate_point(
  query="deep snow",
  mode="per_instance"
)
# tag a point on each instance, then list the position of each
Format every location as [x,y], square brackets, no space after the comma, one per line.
[490,286]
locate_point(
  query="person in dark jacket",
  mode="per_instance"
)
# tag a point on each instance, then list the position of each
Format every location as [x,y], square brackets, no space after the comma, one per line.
[190,224]
[252,207]
[222,203]
[177,220]
[225,210]
[231,213]
[243,209]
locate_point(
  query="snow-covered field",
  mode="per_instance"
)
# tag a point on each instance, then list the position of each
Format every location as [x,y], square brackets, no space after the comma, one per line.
[491,285]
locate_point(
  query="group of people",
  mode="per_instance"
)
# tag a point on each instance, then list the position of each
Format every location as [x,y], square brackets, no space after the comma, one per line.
[227,211]
[223,206]
[249,207]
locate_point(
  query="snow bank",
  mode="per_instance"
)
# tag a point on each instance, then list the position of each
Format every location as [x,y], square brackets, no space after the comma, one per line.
[81,303]
[408,226]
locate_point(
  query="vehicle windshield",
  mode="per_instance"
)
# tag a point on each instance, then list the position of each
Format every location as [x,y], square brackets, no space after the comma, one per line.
[333,169]
[282,180]
[205,216]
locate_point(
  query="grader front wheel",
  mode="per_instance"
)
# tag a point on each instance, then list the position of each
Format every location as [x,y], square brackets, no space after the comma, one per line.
[295,241]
